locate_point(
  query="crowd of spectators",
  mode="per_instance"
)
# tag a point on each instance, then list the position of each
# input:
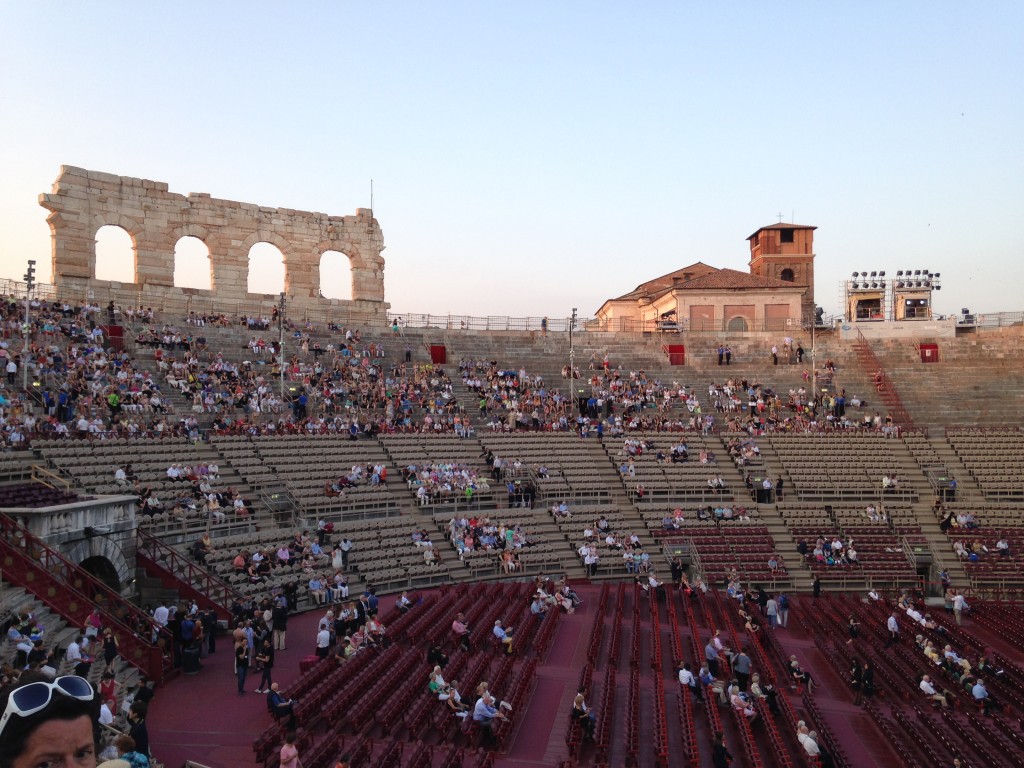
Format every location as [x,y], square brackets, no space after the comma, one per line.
[482,534]
[435,483]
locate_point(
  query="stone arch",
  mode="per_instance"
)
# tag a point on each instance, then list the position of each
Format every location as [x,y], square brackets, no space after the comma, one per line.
[267,236]
[367,268]
[738,323]
[102,569]
[193,264]
[270,261]
[335,275]
[103,548]
[787,275]
[115,253]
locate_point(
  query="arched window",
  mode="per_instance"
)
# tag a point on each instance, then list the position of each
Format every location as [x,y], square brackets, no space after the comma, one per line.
[192,264]
[115,255]
[335,275]
[266,269]
[787,275]
[737,324]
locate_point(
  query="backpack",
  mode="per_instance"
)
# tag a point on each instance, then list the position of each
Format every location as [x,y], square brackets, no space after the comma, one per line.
[783,602]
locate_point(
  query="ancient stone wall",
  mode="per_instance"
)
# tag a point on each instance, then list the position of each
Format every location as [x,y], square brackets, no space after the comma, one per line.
[82,201]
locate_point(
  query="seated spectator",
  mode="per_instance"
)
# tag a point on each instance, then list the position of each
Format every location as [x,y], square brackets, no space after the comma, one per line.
[981,695]
[928,689]
[799,675]
[280,706]
[503,635]
[454,700]
[687,678]
[741,705]
[317,591]
[484,714]
[709,681]
[764,691]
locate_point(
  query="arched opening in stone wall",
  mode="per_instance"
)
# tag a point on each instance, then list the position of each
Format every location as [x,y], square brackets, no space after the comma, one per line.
[192,267]
[787,275]
[737,324]
[266,269]
[116,258]
[102,569]
[335,275]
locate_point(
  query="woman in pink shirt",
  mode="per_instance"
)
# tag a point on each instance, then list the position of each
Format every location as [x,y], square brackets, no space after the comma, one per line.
[289,752]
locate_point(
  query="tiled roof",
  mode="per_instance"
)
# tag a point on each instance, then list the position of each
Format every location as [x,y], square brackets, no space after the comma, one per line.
[732,279]
[658,285]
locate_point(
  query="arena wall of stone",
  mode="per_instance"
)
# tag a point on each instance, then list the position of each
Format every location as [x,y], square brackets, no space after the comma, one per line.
[82,201]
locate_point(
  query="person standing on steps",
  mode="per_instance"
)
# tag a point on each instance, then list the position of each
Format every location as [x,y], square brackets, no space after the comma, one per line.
[241,664]
[721,757]
[816,586]
[265,657]
[893,627]
[783,609]
[857,681]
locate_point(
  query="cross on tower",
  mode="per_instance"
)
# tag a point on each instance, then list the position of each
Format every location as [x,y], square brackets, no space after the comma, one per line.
[780,217]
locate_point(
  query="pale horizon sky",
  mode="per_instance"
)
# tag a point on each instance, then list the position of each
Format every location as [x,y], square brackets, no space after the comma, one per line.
[529,158]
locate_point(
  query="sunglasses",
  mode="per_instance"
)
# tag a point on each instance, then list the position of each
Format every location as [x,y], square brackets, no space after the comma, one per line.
[35,697]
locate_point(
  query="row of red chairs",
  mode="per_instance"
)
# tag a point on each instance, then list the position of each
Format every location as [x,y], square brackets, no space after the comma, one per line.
[360,710]
[603,731]
[768,676]
[574,731]
[916,735]
[892,738]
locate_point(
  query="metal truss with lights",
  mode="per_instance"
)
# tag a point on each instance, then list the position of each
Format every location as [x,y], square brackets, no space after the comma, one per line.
[871,296]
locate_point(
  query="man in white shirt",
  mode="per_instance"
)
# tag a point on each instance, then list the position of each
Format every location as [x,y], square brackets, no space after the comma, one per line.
[161,615]
[687,678]
[106,716]
[323,641]
[892,625]
[929,690]
[959,605]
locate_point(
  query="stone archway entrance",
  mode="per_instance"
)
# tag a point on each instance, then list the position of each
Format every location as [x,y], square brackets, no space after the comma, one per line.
[102,569]
[738,324]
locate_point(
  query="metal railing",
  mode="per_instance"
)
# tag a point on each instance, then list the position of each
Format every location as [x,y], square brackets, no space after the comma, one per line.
[72,592]
[883,383]
[50,479]
[131,294]
[207,589]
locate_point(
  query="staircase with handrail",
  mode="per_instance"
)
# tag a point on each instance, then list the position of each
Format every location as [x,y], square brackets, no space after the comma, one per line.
[176,571]
[883,382]
[71,592]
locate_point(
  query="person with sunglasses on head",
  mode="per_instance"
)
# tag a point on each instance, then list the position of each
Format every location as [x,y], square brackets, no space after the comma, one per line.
[50,723]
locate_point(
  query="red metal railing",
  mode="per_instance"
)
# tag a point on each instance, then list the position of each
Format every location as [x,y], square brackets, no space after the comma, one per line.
[176,571]
[883,382]
[72,593]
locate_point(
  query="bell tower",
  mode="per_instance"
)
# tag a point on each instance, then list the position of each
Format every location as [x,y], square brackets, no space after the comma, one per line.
[786,252]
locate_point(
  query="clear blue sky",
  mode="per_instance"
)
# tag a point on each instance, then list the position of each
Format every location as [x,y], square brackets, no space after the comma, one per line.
[531,157]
